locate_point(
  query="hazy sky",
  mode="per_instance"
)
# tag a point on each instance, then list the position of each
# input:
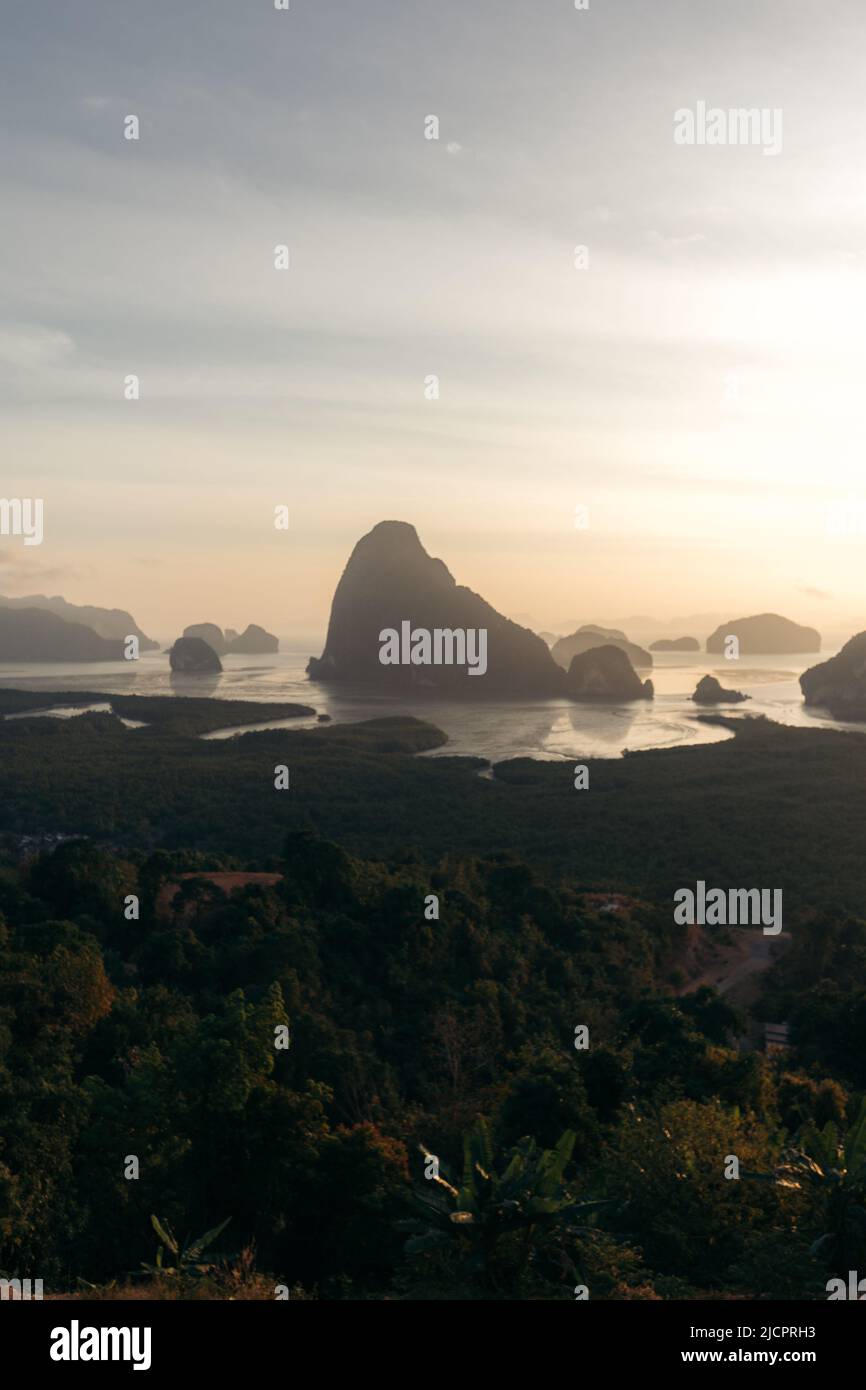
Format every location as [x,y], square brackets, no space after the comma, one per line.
[699,387]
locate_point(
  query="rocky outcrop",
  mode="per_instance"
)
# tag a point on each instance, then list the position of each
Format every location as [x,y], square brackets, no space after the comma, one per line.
[605,673]
[676,644]
[253,640]
[588,637]
[210,633]
[391,580]
[34,634]
[839,684]
[111,623]
[194,656]
[708,691]
[766,633]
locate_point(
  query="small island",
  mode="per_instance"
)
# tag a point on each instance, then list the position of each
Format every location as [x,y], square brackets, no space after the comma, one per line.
[254,640]
[605,673]
[589,637]
[676,644]
[708,691]
[194,656]
[765,634]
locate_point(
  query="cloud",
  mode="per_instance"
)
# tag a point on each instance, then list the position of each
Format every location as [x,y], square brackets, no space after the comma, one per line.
[817,593]
[31,345]
[22,576]
[675,243]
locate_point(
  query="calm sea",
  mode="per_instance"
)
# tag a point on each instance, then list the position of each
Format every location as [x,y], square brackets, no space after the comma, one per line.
[496,730]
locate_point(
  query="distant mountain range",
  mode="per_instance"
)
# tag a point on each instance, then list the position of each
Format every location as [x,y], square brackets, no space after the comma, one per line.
[644,629]
[37,628]
[392,586]
[761,634]
[105,622]
[34,634]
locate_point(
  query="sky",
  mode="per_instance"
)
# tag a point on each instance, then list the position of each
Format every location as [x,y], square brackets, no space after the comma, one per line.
[696,388]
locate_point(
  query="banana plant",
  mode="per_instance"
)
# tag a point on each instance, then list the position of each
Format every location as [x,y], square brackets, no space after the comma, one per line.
[528,1197]
[835,1166]
[187,1254]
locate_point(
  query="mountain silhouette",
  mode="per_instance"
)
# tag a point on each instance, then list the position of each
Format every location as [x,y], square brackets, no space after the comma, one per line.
[765,633]
[589,638]
[34,634]
[210,633]
[389,580]
[840,683]
[105,622]
[193,655]
[676,644]
[253,640]
[605,673]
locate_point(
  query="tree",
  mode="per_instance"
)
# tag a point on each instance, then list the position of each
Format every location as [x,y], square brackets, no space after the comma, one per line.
[78,879]
[503,1214]
[834,1166]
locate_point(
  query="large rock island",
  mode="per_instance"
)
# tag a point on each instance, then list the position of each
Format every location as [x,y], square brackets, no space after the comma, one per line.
[589,637]
[767,633]
[605,673]
[194,656]
[390,581]
[839,684]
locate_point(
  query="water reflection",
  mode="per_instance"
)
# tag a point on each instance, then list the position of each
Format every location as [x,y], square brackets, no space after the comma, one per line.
[201,683]
[496,730]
